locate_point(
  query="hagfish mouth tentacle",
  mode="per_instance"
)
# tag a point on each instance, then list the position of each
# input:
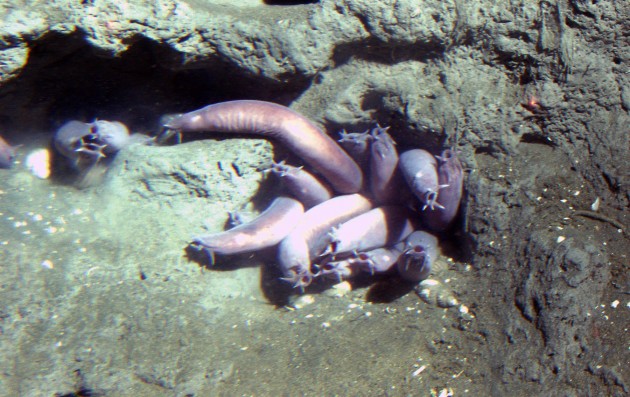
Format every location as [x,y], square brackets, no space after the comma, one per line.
[451,180]
[112,135]
[302,184]
[416,261]
[357,144]
[87,143]
[68,138]
[271,120]
[379,260]
[266,230]
[419,169]
[310,236]
[386,181]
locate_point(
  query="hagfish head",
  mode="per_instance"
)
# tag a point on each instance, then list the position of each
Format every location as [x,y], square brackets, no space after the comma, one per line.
[338,269]
[417,259]
[299,277]
[87,143]
[419,168]
[109,136]
[414,264]
[451,179]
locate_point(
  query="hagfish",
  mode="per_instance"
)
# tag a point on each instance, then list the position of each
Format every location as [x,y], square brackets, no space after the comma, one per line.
[357,144]
[419,253]
[90,141]
[451,180]
[310,236]
[379,227]
[386,183]
[379,260]
[302,184]
[419,168]
[293,130]
[266,230]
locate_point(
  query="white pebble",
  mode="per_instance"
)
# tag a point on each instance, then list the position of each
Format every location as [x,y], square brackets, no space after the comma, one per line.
[38,163]
[47,264]
[302,301]
[595,205]
[418,371]
[340,289]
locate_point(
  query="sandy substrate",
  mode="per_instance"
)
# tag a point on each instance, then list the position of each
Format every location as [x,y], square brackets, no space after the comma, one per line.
[98,295]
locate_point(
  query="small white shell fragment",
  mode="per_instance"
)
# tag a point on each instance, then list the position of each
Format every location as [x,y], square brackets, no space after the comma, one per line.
[464,313]
[446,393]
[38,163]
[614,304]
[595,205]
[425,295]
[560,239]
[340,289]
[302,301]
[446,300]
[418,371]
[47,264]
[429,282]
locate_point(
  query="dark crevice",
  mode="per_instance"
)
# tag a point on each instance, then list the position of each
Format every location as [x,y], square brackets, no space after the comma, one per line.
[386,53]
[536,138]
[66,78]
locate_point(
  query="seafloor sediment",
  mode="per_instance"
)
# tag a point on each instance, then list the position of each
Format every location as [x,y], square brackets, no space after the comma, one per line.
[98,295]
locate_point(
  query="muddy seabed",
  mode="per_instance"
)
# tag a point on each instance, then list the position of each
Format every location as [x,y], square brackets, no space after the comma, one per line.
[99,298]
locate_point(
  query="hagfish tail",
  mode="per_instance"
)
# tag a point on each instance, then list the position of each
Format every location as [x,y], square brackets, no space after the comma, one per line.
[266,230]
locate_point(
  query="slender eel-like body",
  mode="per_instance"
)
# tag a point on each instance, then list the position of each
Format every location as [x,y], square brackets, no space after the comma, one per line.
[451,180]
[310,236]
[380,227]
[379,260]
[386,182]
[293,130]
[419,168]
[266,230]
[357,144]
[302,185]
